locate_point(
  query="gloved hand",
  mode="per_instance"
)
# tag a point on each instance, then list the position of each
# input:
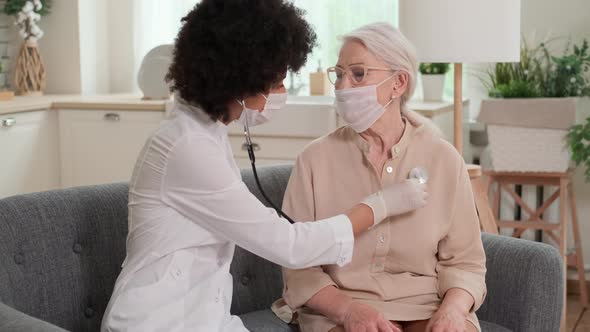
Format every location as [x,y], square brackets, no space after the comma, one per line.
[397,199]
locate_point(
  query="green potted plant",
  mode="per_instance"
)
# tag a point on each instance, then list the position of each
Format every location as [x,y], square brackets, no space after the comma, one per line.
[578,140]
[433,80]
[533,105]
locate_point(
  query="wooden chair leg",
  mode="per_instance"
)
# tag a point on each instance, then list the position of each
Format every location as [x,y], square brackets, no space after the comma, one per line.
[486,217]
[563,242]
[578,247]
[496,209]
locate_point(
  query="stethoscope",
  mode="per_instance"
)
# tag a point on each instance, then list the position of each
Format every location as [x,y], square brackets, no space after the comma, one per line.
[418,173]
[250,148]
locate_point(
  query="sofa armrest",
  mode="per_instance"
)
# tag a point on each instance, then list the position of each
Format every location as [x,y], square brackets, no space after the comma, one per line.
[525,284]
[16,321]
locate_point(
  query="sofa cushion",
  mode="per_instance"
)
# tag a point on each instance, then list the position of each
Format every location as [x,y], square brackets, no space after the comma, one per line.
[491,327]
[266,321]
[61,252]
[258,282]
[525,284]
[16,321]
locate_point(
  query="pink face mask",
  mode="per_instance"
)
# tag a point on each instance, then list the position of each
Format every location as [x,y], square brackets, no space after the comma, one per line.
[359,107]
[253,117]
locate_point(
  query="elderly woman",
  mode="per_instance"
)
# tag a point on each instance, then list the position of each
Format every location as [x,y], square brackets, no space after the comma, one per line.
[423,270]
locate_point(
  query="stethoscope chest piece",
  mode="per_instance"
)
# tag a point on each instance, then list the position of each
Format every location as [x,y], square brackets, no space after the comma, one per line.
[419,173]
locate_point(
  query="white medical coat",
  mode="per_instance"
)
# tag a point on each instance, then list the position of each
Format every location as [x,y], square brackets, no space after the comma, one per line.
[188,208]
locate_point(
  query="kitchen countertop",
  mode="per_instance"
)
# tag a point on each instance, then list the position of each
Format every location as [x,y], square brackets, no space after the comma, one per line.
[123,102]
[133,102]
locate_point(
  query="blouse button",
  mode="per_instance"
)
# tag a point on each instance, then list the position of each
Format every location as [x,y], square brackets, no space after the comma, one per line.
[176,273]
[245,280]
[382,239]
[389,169]
[19,259]
[89,312]
[77,248]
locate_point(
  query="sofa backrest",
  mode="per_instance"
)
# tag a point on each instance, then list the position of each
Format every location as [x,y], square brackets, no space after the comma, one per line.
[258,282]
[61,252]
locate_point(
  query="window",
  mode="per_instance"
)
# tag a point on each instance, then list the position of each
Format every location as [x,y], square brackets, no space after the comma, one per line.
[331,19]
[156,22]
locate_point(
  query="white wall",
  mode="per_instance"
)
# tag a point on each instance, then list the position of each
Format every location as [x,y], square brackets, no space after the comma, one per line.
[556,18]
[121,46]
[60,48]
[94,46]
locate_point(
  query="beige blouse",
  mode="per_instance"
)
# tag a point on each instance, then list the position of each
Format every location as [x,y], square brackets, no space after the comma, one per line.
[403,266]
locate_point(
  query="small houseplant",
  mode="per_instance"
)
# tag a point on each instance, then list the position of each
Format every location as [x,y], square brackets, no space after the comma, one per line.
[578,139]
[433,80]
[541,75]
[29,74]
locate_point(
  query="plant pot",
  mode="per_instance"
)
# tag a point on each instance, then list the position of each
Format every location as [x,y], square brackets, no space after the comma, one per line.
[433,87]
[528,135]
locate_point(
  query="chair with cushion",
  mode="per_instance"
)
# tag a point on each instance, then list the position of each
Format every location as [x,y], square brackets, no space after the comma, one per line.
[61,252]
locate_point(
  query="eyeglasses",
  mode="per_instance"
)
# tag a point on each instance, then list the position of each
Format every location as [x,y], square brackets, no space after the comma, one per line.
[356,73]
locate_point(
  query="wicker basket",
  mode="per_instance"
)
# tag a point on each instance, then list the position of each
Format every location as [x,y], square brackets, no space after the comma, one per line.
[520,149]
[528,135]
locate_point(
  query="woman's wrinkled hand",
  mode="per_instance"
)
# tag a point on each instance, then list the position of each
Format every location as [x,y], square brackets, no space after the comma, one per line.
[448,319]
[363,318]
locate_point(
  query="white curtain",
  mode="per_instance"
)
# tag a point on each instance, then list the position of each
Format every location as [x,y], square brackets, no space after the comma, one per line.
[157,22]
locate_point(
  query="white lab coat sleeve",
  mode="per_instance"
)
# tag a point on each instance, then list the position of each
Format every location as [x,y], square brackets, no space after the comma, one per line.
[199,183]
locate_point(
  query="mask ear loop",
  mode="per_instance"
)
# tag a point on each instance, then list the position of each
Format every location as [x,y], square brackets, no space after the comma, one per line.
[390,101]
[395,86]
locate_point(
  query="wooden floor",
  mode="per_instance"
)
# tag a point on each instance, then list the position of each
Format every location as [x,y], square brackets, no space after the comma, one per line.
[577,319]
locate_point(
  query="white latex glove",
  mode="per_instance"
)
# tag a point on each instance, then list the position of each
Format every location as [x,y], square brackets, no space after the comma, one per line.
[397,199]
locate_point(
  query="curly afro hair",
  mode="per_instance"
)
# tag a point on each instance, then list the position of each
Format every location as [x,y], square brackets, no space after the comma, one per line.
[232,49]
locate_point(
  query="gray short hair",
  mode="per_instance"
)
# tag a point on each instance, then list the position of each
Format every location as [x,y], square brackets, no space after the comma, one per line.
[389,45]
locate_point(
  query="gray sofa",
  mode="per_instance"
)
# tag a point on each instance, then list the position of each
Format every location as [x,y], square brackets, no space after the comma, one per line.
[61,251]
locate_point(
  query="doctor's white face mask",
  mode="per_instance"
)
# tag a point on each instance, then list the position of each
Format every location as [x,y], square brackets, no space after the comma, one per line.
[253,117]
[359,107]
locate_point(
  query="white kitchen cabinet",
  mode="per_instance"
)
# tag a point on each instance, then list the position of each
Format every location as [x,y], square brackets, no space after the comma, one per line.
[101,146]
[268,150]
[29,147]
